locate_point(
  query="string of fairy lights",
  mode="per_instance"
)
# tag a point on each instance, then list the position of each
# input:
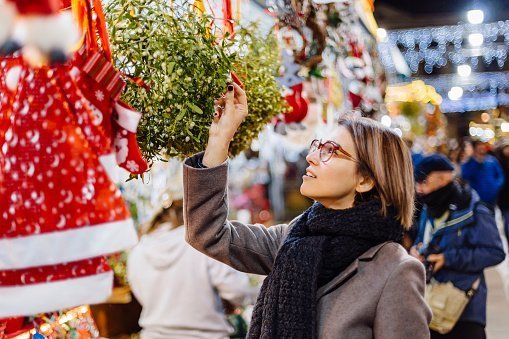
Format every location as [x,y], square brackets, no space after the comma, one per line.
[467,47]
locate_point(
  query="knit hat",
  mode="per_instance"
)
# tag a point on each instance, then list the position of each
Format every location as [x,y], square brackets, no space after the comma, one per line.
[432,163]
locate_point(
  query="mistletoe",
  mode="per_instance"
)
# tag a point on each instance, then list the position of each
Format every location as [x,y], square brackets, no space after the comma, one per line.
[176,51]
[257,66]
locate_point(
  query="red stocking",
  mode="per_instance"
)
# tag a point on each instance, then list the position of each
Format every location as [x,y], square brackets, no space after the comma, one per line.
[127,151]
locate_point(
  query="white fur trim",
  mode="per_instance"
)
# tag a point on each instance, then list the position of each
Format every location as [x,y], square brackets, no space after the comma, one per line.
[109,163]
[127,117]
[31,299]
[48,32]
[66,246]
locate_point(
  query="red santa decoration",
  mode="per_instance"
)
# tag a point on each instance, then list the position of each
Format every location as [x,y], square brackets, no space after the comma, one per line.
[59,213]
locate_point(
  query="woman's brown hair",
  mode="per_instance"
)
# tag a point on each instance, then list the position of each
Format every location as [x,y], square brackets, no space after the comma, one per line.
[384,157]
[173,214]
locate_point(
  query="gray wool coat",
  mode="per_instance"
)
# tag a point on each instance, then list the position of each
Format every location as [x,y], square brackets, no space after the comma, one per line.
[380,295]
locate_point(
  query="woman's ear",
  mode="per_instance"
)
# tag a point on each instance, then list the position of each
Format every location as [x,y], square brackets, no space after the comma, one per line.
[365,184]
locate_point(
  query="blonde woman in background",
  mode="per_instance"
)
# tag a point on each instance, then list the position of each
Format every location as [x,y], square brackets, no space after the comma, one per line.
[180,289]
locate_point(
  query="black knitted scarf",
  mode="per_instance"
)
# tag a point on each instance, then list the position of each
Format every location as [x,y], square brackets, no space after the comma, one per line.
[321,244]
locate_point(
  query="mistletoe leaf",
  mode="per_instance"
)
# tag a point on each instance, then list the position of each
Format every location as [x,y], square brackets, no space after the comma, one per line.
[195,108]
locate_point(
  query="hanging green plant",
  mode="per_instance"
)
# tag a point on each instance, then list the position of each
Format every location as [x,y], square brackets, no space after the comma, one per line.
[256,65]
[174,50]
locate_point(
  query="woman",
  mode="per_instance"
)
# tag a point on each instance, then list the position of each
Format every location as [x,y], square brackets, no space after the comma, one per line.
[180,289]
[337,270]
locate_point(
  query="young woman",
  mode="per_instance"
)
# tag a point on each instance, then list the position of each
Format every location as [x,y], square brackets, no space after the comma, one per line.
[336,271]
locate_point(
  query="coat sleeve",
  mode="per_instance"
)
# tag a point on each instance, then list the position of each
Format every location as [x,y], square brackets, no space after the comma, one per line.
[245,247]
[483,246]
[402,311]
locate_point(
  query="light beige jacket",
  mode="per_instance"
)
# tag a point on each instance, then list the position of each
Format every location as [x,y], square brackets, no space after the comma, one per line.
[380,295]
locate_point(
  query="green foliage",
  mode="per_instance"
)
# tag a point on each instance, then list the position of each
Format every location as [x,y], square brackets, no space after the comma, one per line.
[257,66]
[176,52]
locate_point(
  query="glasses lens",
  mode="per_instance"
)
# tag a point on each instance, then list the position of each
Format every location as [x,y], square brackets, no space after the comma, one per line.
[314,146]
[326,151]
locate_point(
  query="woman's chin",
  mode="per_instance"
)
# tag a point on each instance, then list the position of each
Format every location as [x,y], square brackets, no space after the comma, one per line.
[304,190]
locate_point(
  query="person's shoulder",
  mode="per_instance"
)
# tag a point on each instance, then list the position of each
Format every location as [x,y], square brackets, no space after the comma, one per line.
[392,250]
[393,254]
[392,260]
[491,158]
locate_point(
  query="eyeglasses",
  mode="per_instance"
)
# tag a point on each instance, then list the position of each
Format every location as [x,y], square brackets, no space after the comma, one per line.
[327,149]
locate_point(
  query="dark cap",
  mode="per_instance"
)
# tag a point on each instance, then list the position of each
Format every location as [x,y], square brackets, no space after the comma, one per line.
[432,163]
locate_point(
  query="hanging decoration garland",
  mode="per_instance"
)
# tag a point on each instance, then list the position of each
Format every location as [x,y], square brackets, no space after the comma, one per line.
[174,50]
[257,66]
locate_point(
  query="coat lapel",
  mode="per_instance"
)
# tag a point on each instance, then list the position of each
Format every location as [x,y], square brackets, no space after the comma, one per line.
[350,271]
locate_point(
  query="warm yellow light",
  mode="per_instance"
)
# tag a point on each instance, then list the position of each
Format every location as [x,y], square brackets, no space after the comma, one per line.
[416,91]
[485,117]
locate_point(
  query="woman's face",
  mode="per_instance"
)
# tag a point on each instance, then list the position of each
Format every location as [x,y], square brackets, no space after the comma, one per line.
[333,183]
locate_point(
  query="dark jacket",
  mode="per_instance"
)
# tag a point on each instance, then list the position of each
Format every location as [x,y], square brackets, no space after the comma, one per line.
[470,243]
[486,178]
[503,195]
[380,295]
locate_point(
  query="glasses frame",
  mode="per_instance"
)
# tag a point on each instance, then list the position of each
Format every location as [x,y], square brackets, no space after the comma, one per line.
[335,146]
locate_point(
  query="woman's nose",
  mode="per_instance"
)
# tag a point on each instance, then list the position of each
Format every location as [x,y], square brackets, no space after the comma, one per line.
[313,157]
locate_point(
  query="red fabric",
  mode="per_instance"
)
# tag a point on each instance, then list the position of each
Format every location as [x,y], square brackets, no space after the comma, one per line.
[126,146]
[37,7]
[13,326]
[228,16]
[52,273]
[101,70]
[52,177]
[355,99]
[102,85]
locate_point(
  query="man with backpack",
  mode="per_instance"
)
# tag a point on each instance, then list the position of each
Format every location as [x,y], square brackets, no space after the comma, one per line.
[457,240]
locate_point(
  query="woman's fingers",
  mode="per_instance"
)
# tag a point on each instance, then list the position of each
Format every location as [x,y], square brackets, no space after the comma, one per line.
[239,94]
[229,100]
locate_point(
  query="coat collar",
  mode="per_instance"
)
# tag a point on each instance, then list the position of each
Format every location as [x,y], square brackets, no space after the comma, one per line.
[350,271]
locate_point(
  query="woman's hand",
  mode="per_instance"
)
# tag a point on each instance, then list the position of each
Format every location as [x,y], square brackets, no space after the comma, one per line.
[226,122]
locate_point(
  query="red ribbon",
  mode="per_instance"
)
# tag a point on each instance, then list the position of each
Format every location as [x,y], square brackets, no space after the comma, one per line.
[228,16]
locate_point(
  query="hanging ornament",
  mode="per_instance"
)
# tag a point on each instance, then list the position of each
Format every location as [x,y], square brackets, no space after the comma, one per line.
[228,17]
